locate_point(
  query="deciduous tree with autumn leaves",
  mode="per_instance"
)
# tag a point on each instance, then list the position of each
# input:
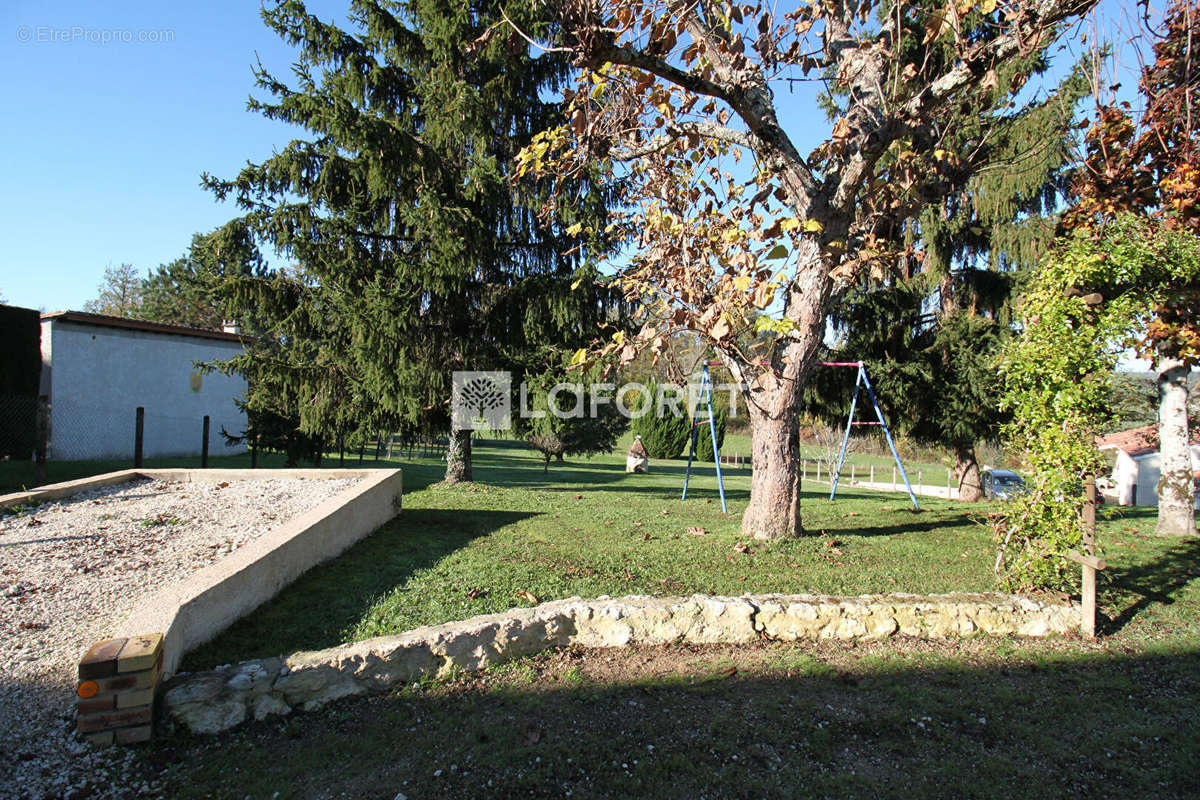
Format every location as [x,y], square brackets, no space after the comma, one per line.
[731,226]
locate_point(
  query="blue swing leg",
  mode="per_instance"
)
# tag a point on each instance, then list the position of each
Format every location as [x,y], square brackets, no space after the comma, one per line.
[892,445]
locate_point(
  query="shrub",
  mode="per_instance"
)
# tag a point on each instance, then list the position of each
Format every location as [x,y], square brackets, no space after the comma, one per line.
[664,436]
[704,448]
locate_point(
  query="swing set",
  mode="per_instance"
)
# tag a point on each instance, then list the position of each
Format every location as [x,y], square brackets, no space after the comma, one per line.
[860,381]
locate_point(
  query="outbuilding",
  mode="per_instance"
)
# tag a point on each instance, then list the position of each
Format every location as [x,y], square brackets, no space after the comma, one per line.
[98,370]
[1135,470]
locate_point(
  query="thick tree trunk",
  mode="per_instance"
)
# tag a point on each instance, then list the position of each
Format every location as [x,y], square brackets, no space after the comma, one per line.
[1176,515]
[774,509]
[458,456]
[966,469]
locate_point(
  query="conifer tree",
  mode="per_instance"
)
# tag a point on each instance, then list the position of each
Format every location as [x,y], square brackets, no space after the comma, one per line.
[184,291]
[417,254]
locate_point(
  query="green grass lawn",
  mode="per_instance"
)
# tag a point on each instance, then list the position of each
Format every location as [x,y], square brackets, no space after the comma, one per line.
[587,528]
[986,717]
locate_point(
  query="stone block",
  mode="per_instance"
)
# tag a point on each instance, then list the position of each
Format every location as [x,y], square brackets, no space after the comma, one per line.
[133,680]
[96,704]
[132,699]
[140,733]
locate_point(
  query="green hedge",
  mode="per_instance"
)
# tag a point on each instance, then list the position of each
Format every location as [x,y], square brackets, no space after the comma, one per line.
[20,376]
[665,436]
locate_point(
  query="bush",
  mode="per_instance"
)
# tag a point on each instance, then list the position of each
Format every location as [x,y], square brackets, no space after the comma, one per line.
[665,436]
[704,448]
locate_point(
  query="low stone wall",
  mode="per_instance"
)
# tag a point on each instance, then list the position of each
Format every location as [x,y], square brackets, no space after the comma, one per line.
[214,701]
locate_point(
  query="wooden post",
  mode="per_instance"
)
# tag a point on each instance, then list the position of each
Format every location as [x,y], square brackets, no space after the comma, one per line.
[41,438]
[139,436]
[872,473]
[948,495]
[204,445]
[1088,625]
[893,478]
[920,478]
[852,473]
[818,470]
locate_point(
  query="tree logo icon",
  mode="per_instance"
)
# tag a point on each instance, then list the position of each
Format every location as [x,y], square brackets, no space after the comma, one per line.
[482,401]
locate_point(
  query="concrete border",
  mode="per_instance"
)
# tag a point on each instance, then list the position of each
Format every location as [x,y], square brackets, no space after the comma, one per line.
[195,610]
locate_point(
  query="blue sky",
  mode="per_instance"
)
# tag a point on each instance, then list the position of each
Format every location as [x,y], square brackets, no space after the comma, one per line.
[104,142]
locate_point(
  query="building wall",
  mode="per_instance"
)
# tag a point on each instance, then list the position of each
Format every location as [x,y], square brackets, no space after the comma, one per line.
[98,376]
[1148,474]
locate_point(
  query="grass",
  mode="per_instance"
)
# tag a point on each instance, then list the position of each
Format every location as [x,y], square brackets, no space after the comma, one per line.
[979,718]
[984,717]
[587,528]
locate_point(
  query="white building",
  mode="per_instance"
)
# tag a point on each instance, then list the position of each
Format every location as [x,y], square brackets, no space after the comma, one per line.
[1136,469]
[97,370]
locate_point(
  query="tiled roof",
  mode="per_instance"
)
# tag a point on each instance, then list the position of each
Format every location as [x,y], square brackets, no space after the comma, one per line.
[1138,441]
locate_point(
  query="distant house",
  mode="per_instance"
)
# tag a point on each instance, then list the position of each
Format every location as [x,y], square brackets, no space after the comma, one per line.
[97,370]
[1136,470]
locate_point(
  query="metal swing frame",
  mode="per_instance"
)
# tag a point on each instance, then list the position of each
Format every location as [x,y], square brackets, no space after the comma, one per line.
[860,381]
[706,388]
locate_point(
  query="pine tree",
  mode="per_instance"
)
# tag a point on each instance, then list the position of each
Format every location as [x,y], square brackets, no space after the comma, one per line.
[184,291]
[417,254]
[575,430]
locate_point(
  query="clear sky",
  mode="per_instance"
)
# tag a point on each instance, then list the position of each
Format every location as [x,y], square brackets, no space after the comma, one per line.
[111,111]
[102,143]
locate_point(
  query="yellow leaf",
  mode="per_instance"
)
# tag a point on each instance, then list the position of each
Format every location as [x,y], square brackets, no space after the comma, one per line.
[790,224]
[812,226]
[575,229]
[741,283]
[579,357]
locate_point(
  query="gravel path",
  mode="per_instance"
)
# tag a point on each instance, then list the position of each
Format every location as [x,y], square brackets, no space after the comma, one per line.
[71,569]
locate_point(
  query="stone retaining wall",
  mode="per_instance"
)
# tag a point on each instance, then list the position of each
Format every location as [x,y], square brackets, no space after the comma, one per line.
[209,702]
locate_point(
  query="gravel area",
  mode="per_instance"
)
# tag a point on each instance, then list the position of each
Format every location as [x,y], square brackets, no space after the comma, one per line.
[71,569]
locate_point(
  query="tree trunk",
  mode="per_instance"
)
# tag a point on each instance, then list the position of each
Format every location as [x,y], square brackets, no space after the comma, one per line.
[774,509]
[458,456]
[966,469]
[1176,515]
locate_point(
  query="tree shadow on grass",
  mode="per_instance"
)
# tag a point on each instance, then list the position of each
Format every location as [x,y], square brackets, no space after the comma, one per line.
[683,723]
[320,608]
[1159,580]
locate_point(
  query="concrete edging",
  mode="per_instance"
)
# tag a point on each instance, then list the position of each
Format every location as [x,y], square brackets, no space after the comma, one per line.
[195,610]
[209,702]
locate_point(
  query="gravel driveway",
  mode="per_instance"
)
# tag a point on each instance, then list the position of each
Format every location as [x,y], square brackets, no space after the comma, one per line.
[71,569]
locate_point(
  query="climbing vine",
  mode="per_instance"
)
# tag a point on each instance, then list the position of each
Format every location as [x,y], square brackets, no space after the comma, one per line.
[1093,297]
